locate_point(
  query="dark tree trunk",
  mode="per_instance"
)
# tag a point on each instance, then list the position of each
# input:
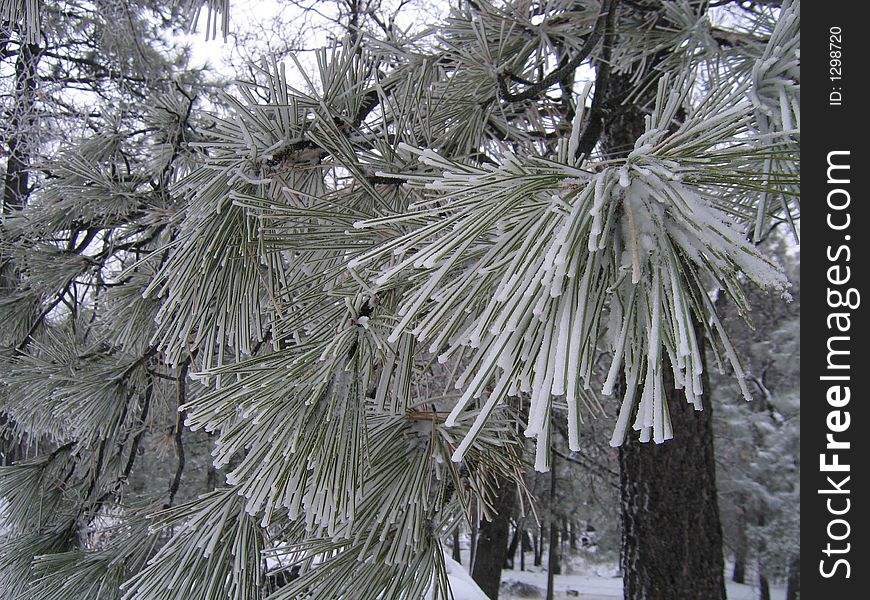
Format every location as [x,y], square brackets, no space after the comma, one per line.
[763,586]
[553,566]
[554,558]
[763,583]
[671,533]
[457,548]
[492,543]
[472,545]
[525,544]
[563,541]
[16,183]
[740,547]
[16,188]
[515,543]
[539,548]
[672,537]
[793,587]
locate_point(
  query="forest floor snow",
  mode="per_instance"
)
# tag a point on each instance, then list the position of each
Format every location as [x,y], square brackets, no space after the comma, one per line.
[585,582]
[597,587]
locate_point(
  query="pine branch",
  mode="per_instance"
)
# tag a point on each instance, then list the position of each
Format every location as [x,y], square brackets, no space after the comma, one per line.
[137,438]
[730,39]
[608,7]
[21,347]
[146,356]
[95,477]
[178,135]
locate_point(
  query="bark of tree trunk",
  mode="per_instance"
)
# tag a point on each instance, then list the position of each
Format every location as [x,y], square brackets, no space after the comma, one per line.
[763,586]
[457,548]
[763,583]
[554,559]
[553,566]
[741,547]
[793,587]
[16,182]
[572,536]
[16,188]
[671,532]
[525,544]
[492,543]
[672,537]
[514,544]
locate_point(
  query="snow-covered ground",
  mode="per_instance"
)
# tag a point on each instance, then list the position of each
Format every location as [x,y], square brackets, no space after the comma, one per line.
[601,587]
[586,582]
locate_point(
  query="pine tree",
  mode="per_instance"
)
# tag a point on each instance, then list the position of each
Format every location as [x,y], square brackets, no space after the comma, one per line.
[761,462]
[97,131]
[368,283]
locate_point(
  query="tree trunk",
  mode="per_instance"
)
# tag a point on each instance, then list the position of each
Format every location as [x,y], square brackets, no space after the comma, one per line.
[492,543]
[671,533]
[555,555]
[472,545]
[741,546]
[793,587]
[672,537]
[763,586]
[553,566]
[22,121]
[457,547]
[525,544]
[16,188]
[566,535]
[512,547]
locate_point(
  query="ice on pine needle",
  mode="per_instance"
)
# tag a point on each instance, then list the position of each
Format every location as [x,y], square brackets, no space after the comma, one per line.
[518,253]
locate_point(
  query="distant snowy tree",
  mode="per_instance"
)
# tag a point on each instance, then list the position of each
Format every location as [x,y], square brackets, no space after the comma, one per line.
[368,283]
[759,452]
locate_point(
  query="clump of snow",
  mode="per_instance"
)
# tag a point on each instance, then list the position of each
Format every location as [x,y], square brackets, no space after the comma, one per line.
[461,583]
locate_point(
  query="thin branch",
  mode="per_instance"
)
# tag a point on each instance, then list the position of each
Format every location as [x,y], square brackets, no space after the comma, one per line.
[731,39]
[134,446]
[568,67]
[97,471]
[143,418]
[179,430]
[28,337]
[589,464]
